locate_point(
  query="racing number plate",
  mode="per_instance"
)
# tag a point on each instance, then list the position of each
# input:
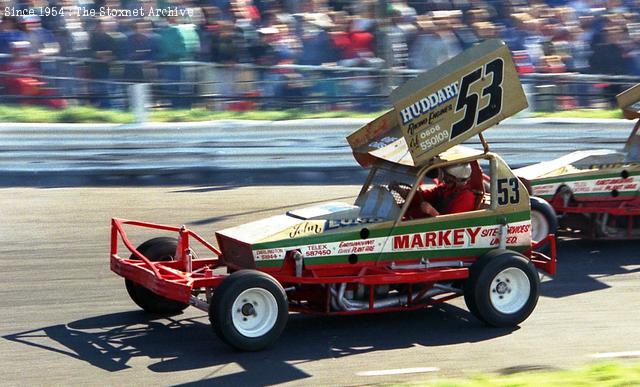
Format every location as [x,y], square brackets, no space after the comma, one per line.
[458,99]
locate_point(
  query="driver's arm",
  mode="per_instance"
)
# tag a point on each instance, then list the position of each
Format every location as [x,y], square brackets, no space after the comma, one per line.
[421,203]
[428,209]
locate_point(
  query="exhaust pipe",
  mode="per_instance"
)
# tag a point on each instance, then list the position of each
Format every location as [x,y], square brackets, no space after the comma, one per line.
[344,304]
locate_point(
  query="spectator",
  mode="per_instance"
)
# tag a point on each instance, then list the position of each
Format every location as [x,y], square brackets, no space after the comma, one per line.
[398,37]
[106,46]
[534,41]
[9,33]
[609,57]
[463,32]
[444,27]
[142,45]
[362,85]
[207,31]
[172,48]
[362,37]
[428,49]
[24,65]
[340,35]
[485,30]
[317,46]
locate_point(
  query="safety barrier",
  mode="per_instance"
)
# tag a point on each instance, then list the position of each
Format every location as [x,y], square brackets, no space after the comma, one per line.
[244,152]
[241,87]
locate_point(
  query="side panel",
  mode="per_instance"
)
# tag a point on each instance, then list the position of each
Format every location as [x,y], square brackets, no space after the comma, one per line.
[593,186]
[458,235]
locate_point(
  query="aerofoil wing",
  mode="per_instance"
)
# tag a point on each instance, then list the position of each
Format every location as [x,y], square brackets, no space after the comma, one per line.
[629,102]
[443,107]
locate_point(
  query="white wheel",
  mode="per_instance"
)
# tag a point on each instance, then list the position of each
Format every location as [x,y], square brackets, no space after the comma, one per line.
[510,290]
[539,225]
[254,312]
[249,310]
[502,288]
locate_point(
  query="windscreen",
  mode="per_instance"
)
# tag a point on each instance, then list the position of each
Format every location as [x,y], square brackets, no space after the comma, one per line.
[385,194]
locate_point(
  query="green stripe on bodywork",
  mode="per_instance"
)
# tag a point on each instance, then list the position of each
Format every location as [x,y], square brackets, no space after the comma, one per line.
[621,194]
[571,178]
[412,228]
[585,195]
[393,256]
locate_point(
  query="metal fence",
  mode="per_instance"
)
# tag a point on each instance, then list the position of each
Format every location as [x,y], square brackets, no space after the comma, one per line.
[62,81]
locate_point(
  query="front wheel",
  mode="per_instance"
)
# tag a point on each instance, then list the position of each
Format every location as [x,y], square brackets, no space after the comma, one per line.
[502,289]
[249,310]
[156,250]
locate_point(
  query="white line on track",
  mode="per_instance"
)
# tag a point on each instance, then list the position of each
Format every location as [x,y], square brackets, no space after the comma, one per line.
[399,371]
[610,355]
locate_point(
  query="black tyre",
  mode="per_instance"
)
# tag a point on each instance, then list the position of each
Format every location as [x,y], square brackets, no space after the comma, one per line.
[502,289]
[544,221]
[249,310]
[156,249]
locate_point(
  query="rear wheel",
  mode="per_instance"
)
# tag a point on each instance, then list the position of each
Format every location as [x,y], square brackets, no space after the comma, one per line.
[249,310]
[157,250]
[543,221]
[502,289]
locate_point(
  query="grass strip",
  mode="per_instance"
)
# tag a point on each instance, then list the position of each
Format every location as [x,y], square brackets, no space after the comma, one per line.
[594,375]
[89,114]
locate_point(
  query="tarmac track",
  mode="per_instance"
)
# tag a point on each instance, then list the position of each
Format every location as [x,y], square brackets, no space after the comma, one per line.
[65,319]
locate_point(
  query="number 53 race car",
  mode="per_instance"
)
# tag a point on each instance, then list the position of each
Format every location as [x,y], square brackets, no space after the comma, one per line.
[595,193]
[378,254]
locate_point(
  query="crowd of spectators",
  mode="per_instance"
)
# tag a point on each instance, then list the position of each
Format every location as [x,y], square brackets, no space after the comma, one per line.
[123,40]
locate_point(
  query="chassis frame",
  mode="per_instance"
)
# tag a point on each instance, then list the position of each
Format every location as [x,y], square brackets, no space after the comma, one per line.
[186,277]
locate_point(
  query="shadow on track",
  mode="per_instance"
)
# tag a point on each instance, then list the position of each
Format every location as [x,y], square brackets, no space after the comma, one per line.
[583,263]
[110,341]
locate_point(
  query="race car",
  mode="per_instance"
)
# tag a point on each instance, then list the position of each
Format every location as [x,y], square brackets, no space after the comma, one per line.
[594,193]
[370,256]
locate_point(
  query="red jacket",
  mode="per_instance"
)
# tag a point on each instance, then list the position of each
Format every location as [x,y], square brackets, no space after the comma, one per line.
[445,199]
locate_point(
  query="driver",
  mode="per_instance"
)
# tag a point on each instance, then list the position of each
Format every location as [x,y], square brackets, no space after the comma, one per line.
[451,195]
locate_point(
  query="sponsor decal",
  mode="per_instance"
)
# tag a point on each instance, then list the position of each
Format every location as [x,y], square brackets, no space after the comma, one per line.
[593,186]
[318,250]
[333,224]
[305,228]
[442,238]
[428,103]
[383,142]
[518,234]
[372,130]
[357,247]
[268,254]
